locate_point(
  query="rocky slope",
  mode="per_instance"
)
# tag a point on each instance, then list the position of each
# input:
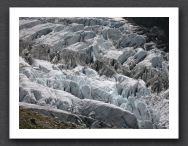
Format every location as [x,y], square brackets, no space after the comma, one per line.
[100,71]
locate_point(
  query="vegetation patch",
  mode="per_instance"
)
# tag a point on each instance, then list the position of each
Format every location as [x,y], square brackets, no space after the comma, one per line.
[29,119]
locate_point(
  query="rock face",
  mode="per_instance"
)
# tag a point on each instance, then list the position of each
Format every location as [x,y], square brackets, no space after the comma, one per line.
[95,69]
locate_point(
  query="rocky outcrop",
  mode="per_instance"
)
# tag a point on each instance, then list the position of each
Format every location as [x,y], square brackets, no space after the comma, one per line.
[98,69]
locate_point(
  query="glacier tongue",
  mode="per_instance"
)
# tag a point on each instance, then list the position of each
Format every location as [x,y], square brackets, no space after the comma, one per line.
[93,67]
